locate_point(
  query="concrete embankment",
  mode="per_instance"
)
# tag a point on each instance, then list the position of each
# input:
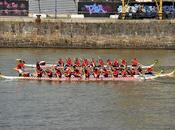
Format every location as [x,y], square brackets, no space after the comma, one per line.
[87,33]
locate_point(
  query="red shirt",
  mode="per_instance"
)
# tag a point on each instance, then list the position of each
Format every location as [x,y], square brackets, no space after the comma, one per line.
[134,62]
[20,66]
[124,62]
[116,62]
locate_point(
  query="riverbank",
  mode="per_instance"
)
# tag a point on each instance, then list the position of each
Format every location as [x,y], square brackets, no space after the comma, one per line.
[87,33]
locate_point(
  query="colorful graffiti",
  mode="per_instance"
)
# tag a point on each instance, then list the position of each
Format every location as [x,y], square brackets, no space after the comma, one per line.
[97,8]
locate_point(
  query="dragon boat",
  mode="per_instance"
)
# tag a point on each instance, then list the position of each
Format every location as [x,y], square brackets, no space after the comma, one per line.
[129,78]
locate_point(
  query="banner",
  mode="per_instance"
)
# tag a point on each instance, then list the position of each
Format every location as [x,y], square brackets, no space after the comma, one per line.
[13,8]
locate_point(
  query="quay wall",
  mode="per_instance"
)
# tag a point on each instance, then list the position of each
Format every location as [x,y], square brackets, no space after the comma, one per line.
[87,33]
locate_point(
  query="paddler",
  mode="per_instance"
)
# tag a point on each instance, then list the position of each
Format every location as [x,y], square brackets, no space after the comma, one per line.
[58,72]
[77,73]
[93,62]
[105,73]
[67,72]
[115,72]
[39,70]
[124,63]
[115,63]
[20,67]
[69,62]
[149,71]
[77,63]
[85,63]
[124,73]
[49,73]
[96,73]
[134,62]
[87,72]
[100,63]
[109,62]
[61,62]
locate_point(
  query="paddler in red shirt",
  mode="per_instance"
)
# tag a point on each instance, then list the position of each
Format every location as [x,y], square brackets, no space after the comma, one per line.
[20,67]
[69,62]
[124,63]
[96,73]
[87,72]
[58,72]
[115,63]
[61,62]
[149,71]
[124,73]
[85,63]
[39,70]
[93,62]
[77,73]
[115,72]
[77,63]
[100,63]
[134,62]
[105,73]
[109,62]
[49,73]
[67,72]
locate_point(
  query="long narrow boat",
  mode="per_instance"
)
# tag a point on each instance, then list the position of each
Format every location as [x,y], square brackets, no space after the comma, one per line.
[52,65]
[135,78]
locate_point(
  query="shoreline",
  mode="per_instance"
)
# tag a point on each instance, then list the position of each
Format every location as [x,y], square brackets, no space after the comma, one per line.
[88,33]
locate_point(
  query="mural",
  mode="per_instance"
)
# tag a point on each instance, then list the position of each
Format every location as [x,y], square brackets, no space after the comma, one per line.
[13,8]
[101,9]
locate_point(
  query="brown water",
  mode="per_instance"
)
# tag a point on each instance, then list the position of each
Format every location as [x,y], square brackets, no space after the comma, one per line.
[40,105]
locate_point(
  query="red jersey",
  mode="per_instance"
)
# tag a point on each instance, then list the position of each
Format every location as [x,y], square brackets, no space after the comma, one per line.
[20,66]
[69,62]
[109,62]
[124,62]
[124,73]
[134,62]
[115,73]
[100,62]
[61,62]
[77,62]
[115,63]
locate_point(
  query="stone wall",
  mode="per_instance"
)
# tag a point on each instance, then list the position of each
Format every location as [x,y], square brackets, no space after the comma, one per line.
[88,33]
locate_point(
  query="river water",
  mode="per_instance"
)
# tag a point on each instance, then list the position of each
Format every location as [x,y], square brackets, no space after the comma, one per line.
[133,105]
